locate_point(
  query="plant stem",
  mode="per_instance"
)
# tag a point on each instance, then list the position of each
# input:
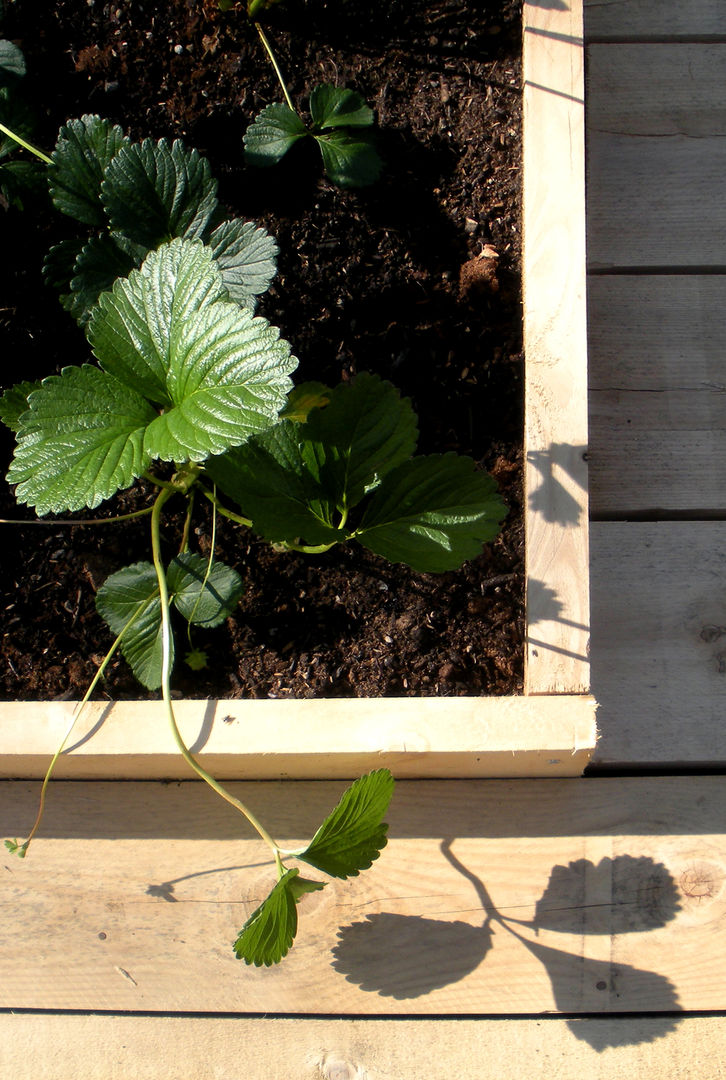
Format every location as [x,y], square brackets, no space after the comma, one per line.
[74,719]
[80,521]
[25,145]
[191,761]
[273,61]
[223,509]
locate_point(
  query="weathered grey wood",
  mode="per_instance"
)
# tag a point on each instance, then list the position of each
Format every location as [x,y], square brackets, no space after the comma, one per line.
[657,89]
[656,156]
[555,345]
[492,897]
[642,199]
[117,1047]
[659,642]
[627,19]
[657,393]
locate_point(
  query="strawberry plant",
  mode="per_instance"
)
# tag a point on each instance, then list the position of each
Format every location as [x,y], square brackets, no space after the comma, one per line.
[192,392]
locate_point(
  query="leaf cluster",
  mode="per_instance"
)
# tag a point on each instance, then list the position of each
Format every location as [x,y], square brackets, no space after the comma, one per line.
[341,125]
[134,196]
[349,840]
[344,469]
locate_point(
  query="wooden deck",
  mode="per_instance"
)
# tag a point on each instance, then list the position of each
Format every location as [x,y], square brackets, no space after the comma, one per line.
[514,928]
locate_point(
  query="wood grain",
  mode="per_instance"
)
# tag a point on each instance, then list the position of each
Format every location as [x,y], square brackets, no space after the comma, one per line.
[429,737]
[555,351]
[648,19]
[659,642]
[493,897]
[116,1047]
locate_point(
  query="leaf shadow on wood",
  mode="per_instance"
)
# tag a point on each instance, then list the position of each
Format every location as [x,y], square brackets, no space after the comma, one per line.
[560,467]
[404,956]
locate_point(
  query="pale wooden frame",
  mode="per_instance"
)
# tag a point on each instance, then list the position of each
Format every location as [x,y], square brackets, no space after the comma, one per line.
[550,729]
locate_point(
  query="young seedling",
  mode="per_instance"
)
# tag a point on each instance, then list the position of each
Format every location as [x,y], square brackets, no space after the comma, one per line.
[340,125]
[188,381]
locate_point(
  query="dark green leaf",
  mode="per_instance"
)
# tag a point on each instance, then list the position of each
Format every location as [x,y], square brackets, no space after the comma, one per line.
[133,594]
[364,432]
[12,63]
[350,160]
[303,399]
[269,932]
[59,263]
[99,263]
[246,256]
[275,481]
[205,599]
[335,106]
[19,181]
[81,440]
[354,834]
[271,134]
[432,513]
[152,193]
[82,155]
[14,403]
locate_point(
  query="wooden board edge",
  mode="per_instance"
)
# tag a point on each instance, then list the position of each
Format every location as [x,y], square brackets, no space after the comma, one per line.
[543,736]
[57,1046]
[555,346]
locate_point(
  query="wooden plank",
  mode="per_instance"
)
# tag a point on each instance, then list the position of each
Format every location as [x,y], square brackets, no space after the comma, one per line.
[657,89]
[657,385]
[492,897]
[429,737]
[659,642]
[555,350]
[656,156]
[655,202]
[52,1047]
[627,19]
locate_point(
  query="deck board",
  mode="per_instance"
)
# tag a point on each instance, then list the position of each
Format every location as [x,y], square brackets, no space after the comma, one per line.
[116,1047]
[657,394]
[492,897]
[648,19]
[659,642]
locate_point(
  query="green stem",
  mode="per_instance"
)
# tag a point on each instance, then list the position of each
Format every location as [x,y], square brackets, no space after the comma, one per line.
[191,761]
[212,496]
[22,851]
[273,61]
[309,549]
[184,545]
[80,521]
[25,145]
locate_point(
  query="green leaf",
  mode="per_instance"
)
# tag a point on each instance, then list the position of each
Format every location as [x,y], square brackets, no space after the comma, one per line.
[82,155]
[269,932]
[98,265]
[350,160]
[133,593]
[335,106]
[271,134]
[152,193]
[364,432]
[14,403]
[12,63]
[133,329]
[303,399]
[205,599]
[196,659]
[20,179]
[432,513]
[246,256]
[354,834]
[276,484]
[80,441]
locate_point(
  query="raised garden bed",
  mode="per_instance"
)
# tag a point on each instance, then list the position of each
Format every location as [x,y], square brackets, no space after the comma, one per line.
[431,324]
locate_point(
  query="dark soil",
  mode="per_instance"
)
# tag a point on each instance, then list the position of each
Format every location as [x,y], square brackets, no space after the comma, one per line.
[416,278]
